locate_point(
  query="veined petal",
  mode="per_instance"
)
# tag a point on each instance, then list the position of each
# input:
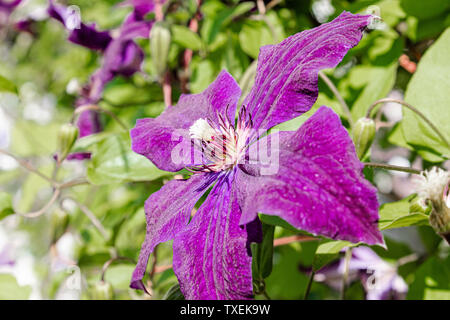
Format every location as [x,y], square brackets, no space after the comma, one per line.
[167,211]
[156,138]
[287,73]
[319,186]
[211,256]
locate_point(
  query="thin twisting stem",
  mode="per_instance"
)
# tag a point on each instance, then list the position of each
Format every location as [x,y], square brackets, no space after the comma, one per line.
[341,100]
[97,224]
[24,164]
[308,287]
[41,211]
[73,183]
[391,167]
[407,105]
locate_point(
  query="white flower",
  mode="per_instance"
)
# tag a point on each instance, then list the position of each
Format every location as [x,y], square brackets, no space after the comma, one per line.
[431,184]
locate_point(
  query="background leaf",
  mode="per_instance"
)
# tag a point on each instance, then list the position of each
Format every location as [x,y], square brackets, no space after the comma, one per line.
[114,161]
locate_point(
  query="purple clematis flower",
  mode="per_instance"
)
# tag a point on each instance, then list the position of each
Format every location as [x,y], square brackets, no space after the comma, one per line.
[317,184]
[6,8]
[380,279]
[121,55]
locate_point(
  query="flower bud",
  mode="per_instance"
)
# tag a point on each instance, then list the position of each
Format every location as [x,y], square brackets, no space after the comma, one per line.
[67,135]
[102,290]
[159,47]
[59,221]
[363,135]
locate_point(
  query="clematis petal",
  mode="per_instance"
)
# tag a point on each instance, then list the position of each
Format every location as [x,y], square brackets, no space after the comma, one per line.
[167,212]
[157,138]
[319,186]
[86,35]
[287,73]
[211,256]
[88,123]
[141,7]
[122,57]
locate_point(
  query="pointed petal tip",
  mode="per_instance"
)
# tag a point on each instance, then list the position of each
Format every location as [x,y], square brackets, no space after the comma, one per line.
[139,285]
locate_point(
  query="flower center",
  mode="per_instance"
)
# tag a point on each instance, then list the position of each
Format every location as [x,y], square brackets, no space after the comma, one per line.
[222,145]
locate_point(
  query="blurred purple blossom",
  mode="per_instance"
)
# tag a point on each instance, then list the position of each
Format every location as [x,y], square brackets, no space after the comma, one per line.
[379,279]
[121,55]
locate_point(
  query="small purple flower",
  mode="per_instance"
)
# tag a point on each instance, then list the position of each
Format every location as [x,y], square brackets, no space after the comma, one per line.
[6,8]
[318,185]
[121,56]
[380,280]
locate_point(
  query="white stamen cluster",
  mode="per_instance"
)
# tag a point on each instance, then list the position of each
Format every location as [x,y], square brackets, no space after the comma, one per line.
[223,146]
[201,130]
[431,184]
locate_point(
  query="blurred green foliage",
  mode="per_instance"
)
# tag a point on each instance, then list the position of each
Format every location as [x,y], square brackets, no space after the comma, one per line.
[229,37]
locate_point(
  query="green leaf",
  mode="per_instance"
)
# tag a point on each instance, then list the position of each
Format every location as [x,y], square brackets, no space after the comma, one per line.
[276,221]
[327,251]
[425,9]
[397,215]
[174,293]
[219,17]
[6,208]
[186,38]
[6,85]
[85,143]
[10,289]
[262,253]
[428,92]
[431,281]
[114,161]
[254,35]
[375,82]
[31,139]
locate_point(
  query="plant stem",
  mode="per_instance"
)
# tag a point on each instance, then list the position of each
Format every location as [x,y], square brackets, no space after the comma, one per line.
[167,89]
[97,224]
[391,167]
[338,96]
[348,256]
[159,15]
[41,211]
[407,105]
[24,164]
[73,183]
[291,239]
[261,6]
[308,287]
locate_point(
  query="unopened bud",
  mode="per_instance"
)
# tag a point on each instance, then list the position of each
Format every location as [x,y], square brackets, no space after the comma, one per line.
[102,290]
[363,135]
[59,221]
[159,47]
[67,136]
